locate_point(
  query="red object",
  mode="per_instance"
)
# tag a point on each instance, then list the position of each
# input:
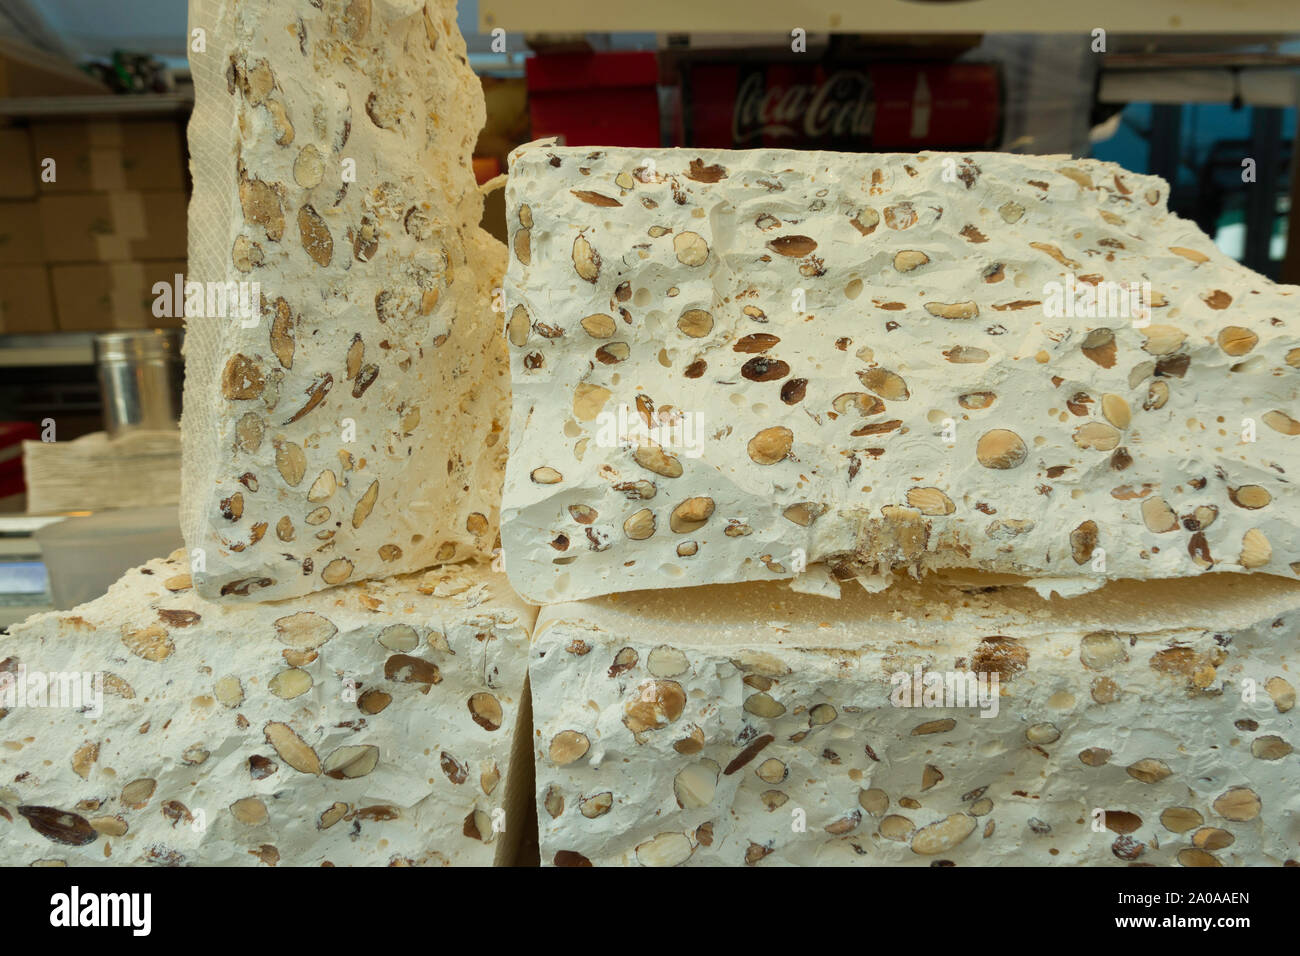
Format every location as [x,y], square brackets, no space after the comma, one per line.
[905,106]
[12,436]
[594,99]
[11,478]
[485,168]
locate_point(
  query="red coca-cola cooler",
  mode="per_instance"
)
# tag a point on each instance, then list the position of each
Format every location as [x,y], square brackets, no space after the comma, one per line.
[905,105]
[594,99]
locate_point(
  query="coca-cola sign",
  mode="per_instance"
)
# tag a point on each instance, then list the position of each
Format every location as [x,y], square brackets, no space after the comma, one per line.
[883,106]
[837,108]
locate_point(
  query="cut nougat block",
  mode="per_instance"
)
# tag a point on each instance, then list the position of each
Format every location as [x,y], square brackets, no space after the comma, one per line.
[373,725]
[354,428]
[728,365]
[746,724]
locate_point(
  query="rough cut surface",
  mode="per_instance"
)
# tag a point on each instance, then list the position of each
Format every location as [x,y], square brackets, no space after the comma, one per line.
[755,709]
[357,430]
[372,725]
[863,348]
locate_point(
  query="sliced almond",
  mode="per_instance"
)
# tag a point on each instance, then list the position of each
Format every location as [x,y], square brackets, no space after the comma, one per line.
[151,643]
[696,323]
[930,501]
[1011,211]
[953,310]
[770,445]
[304,631]
[599,325]
[351,762]
[804,513]
[1181,819]
[657,703]
[875,801]
[1190,254]
[764,705]
[1116,410]
[910,259]
[1001,448]
[588,400]
[568,746]
[1282,692]
[518,328]
[888,385]
[1235,340]
[291,683]
[695,784]
[943,835]
[640,525]
[586,261]
[1099,346]
[1149,770]
[1162,339]
[291,748]
[1281,422]
[1256,551]
[654,458]
[1158,516]
[690,249]
[365,505]
[485,710]
[664,850]
[1239,804]
[897,828]
[290,462]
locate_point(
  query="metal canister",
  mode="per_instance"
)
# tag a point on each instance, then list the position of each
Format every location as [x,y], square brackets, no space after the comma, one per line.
[141,374]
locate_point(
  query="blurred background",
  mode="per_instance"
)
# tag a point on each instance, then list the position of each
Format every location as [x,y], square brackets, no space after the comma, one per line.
[1201,92]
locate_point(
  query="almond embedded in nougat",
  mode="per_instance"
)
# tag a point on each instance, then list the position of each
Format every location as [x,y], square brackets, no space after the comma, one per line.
[770,445]
[839,333]
[274,723]
[320,176]
[776,703]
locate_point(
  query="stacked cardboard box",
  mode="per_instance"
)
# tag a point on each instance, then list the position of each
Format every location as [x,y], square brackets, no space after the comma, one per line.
[92,215]
[25,301]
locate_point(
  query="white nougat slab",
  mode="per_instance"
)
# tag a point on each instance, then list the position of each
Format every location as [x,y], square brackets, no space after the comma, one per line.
[371,725]
[355,428]
[728,365]
[1149,722]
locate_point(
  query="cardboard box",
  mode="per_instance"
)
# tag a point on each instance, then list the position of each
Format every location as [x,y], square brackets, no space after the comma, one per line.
[113,227]
[17,168]
[25,302]
[111,295]
[20,234]
[27,71]
[110,155]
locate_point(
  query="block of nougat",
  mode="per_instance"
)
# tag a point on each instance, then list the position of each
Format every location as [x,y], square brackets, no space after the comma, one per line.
[965,722]
[370,725]
[353,427]
[727,365]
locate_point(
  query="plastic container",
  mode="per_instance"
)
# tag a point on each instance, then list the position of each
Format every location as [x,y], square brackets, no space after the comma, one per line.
[84,555]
